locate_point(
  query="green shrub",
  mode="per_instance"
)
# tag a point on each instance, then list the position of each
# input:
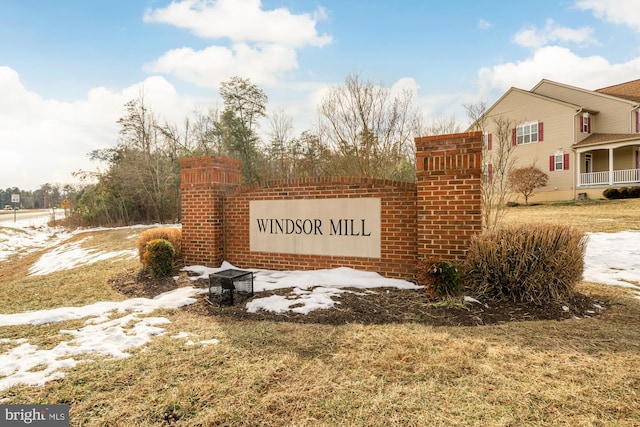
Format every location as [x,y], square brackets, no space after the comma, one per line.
[622,193]
[634,192]
[158,257]
[440,278]
[527,263]
[611,193]
[173,235]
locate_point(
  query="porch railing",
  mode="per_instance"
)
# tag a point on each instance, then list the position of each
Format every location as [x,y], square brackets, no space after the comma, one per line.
[625,176]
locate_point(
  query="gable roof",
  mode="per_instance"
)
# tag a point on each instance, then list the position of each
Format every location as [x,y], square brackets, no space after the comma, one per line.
[629,90]
[597,93]
[529,93]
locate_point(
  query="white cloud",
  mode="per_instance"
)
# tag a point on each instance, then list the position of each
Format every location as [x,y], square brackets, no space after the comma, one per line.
[45,140]
[263,42]
[484,25]
[553,33]
[210,66]
[242,20]
[558,64]
[405,84]
[624,12]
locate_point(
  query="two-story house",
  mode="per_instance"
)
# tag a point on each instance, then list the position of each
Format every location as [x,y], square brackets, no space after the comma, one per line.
[586,141]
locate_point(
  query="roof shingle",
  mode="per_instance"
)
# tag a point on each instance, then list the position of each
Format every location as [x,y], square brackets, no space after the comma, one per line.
[629,90]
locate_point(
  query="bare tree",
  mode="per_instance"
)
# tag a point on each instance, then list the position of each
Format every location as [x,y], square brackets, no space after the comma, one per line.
[476,113]
[498,160]
[143,174]
[369,129]
[280,144]
[526,180]
[442,125]
[200,135]
[312,158]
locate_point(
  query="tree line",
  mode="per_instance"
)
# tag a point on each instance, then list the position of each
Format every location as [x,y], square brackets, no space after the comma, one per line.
[46,197]
[363,130]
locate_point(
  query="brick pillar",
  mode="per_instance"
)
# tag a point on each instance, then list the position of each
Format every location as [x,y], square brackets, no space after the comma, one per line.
[203,181]
[449,180]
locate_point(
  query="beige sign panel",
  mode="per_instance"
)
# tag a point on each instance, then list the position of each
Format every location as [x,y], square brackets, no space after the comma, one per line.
[341,227]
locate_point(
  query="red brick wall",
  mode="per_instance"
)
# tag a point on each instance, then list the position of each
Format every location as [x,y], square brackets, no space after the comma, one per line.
[449,173]
[203,181]
[434,217]
[398,224]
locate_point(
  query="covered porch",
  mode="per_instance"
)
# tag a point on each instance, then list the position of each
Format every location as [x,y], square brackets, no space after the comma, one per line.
[610,164]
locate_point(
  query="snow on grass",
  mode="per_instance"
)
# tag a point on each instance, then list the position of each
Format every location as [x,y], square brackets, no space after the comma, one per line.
[27,240]
[102,335]
[613,259]
[70,255]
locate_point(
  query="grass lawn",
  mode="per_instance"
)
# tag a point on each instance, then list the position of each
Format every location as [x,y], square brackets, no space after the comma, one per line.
[582,372]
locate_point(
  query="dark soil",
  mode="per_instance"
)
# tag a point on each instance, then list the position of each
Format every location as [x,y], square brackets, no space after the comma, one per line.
[373,306]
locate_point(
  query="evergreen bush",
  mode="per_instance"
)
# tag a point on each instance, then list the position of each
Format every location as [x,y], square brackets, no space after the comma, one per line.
[622,193]
[173,235]
[158,257]
[440,278]
[611,193]
[538,264]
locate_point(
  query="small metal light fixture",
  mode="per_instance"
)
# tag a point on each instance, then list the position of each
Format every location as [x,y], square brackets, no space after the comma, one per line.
[228,285]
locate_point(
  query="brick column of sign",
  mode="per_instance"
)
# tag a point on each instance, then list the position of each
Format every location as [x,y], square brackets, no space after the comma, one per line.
[203,181]
[449,180]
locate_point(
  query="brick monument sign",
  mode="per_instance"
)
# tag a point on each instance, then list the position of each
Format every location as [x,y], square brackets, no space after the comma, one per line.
[314,223]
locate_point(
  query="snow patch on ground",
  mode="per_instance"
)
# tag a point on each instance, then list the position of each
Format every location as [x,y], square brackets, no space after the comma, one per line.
[71,255]
[102,335]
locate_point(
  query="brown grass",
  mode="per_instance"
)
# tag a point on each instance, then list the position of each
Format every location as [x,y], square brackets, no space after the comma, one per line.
[590,216]
[582,372]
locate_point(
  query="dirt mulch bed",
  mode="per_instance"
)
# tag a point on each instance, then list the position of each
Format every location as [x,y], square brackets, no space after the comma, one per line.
[372,306]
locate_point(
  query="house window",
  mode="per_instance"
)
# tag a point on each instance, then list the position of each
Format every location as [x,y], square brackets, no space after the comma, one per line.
[588,163]
[559,161]
[586,123]
[486,138]
[527,133]
[487,173]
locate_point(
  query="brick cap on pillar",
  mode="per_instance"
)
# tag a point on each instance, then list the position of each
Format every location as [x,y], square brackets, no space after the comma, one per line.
[461,135]
[207,161]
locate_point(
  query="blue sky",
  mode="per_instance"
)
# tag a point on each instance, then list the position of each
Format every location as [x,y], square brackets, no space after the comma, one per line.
[67,67]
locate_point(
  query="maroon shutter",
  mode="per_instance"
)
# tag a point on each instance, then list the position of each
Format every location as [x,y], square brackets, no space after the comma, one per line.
[588,124]
[489,143]
[637,121]
[566,162]
[513,136]
[540,131]
[490,172]
[552,163]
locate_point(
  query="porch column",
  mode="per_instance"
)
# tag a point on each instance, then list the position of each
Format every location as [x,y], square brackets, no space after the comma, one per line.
[610,166]
[578,166]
